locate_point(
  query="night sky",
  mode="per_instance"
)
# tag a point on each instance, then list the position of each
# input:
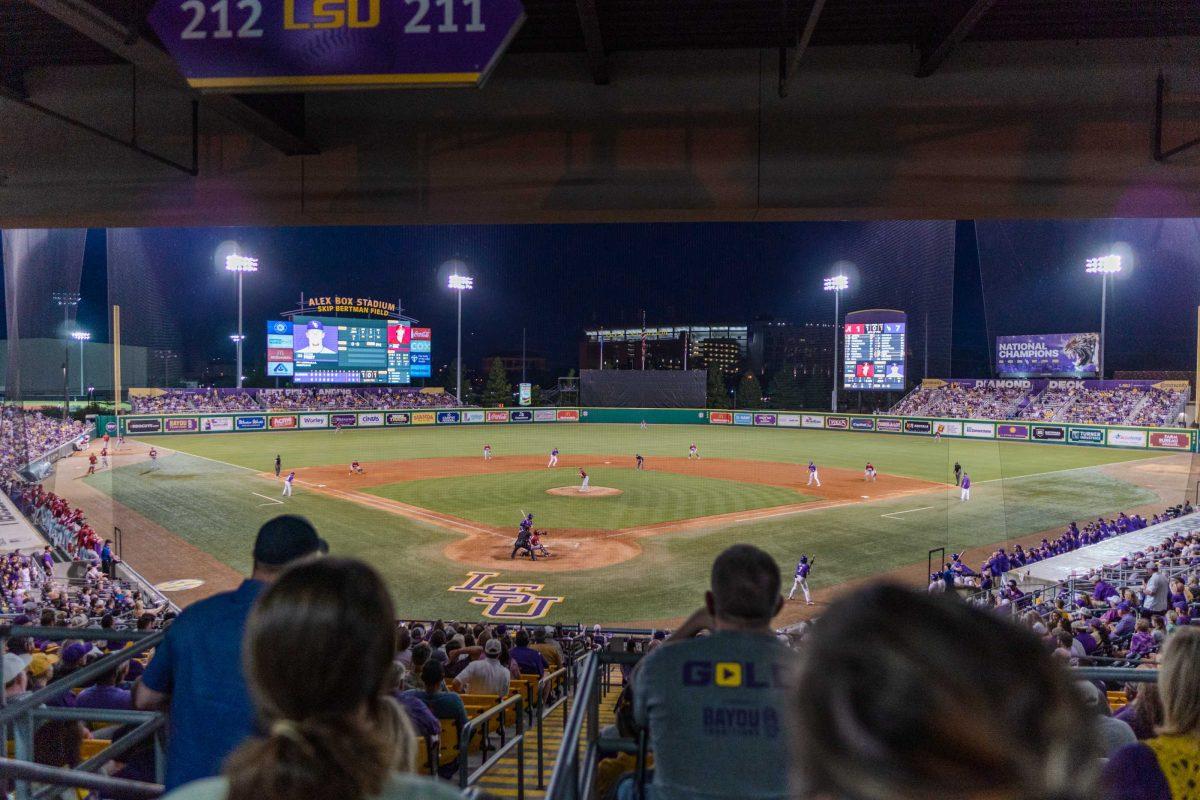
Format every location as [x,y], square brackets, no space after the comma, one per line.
[971,281]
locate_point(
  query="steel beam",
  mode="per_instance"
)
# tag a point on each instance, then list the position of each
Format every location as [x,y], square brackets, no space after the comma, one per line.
[789,57]
[150,60]
[933,57]
[589,21]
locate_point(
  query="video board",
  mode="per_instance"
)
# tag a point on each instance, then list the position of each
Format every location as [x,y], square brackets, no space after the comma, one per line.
[1048,355]
[347,351]
[874,350]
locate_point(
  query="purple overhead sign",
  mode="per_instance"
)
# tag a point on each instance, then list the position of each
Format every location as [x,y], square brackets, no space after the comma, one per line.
[284,45]
[1048,355]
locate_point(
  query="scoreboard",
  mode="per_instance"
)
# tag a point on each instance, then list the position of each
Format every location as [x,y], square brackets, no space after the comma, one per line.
[874,350]
[349,351]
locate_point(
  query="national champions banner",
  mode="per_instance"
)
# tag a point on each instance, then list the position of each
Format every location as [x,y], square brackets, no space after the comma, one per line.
[1048,355]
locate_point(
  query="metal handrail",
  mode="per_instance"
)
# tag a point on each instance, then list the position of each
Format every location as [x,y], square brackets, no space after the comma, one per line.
[541,713]
[119,788]
[566,765]
[518,741]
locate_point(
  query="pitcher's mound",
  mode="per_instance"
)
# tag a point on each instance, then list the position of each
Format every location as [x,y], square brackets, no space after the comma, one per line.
[593,491]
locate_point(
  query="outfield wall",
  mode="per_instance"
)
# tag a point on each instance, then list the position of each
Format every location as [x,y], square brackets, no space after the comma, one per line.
[1116,436]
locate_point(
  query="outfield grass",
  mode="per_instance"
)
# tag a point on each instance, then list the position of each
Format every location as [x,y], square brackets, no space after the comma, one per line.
[912,456]
[215,506]
[647,497]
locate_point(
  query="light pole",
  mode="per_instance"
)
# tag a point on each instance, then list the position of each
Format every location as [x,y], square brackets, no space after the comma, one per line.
[237,340]
[460,284]
[81,337]
[1105,267]
[66,301]
[836,284]
[240,265]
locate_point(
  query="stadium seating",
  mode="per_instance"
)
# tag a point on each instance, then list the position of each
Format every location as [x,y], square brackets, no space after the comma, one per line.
[183,401]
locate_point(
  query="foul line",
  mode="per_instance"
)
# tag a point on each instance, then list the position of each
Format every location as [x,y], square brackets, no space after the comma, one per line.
[274,500]
[911,510]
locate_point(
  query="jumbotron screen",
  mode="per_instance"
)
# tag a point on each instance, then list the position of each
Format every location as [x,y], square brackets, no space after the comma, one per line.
[874,350]
[341,350]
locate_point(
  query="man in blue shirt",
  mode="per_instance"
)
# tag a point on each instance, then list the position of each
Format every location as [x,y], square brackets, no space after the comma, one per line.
[530,661]
[196,672]
[715,705]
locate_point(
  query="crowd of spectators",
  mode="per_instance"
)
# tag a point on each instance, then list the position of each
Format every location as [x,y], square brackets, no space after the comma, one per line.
[28,435]
[1075,402]
[184,401]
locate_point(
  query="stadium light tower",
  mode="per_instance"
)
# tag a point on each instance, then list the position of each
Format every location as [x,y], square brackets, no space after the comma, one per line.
[460,284]
[836,284]
[1105,267]
[241,265]
[66,301]
[81,337]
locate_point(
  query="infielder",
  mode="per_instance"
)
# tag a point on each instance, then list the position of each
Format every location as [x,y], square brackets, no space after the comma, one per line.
[641,462]
[583,476]
[153,458]
[813,476]
[356,468]
[553,458]
[693,452]
[966,487]
[801,580]
[91,464]
[487,452]
[869,472]
[104,457]
[287,483]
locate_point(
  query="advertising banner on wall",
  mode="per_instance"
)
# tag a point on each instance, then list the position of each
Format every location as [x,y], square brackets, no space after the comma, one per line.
[181,424]
[1120,438]
[397,418]
[918,426]
[1012,431]
[720,417]
[314,420]
[837,423]
[497,416]
[979,430]
[216,424]
[948,428]
[764,419]
[1048,355]
[743,418]
[448,418]
[568,415]
[811,421]
[424,418]
[1085,435]
[250,423]
[544,415]
[473,416]
[788,420]
[144,425]
[286,422]
[371,419]
[1177,441]
[343,420]
[887,425]
[1049,433]
[520,416]
[862,424]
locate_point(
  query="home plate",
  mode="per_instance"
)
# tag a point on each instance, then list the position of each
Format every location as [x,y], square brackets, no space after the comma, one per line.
[865,496]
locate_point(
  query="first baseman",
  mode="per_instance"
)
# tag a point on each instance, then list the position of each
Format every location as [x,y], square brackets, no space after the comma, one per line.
[813,477]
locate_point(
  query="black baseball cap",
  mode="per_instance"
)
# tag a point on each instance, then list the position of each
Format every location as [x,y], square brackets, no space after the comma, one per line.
[286,538]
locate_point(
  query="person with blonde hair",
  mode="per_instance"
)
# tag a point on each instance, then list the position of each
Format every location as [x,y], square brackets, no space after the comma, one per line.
[318,653]
[889,705]
[1167,766]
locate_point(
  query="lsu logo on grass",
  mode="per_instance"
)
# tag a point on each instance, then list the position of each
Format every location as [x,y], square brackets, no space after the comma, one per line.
[506,600]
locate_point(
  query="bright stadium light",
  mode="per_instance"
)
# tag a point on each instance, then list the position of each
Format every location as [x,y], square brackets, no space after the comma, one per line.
[1105,267]
[460,284]
[241,265]
[81,337]
[836,284]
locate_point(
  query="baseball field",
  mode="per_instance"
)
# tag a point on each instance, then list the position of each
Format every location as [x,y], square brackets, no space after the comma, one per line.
[438,520]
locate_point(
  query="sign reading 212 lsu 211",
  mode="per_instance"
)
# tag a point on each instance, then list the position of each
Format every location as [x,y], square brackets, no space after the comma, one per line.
[311,44]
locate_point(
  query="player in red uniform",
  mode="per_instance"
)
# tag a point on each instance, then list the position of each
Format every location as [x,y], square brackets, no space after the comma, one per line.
[356,468]
[91,464]
[869,472]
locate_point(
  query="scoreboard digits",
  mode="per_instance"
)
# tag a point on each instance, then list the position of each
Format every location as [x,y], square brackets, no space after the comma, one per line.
[341,350]
[874,353]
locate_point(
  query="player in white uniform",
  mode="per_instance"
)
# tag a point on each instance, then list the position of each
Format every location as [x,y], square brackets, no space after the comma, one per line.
[693,452]
[487,452]
[869,472]
[813,477]
[583,487]
[553,458]
[287,483]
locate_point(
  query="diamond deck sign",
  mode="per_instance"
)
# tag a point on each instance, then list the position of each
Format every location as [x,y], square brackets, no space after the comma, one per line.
[285,45]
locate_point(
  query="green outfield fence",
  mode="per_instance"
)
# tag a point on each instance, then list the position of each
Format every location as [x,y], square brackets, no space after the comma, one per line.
[1052,433]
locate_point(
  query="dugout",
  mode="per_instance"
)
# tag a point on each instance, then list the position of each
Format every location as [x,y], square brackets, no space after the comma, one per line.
[623,388]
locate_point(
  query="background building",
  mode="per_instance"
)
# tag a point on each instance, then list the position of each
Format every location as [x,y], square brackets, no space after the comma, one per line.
[724,345]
